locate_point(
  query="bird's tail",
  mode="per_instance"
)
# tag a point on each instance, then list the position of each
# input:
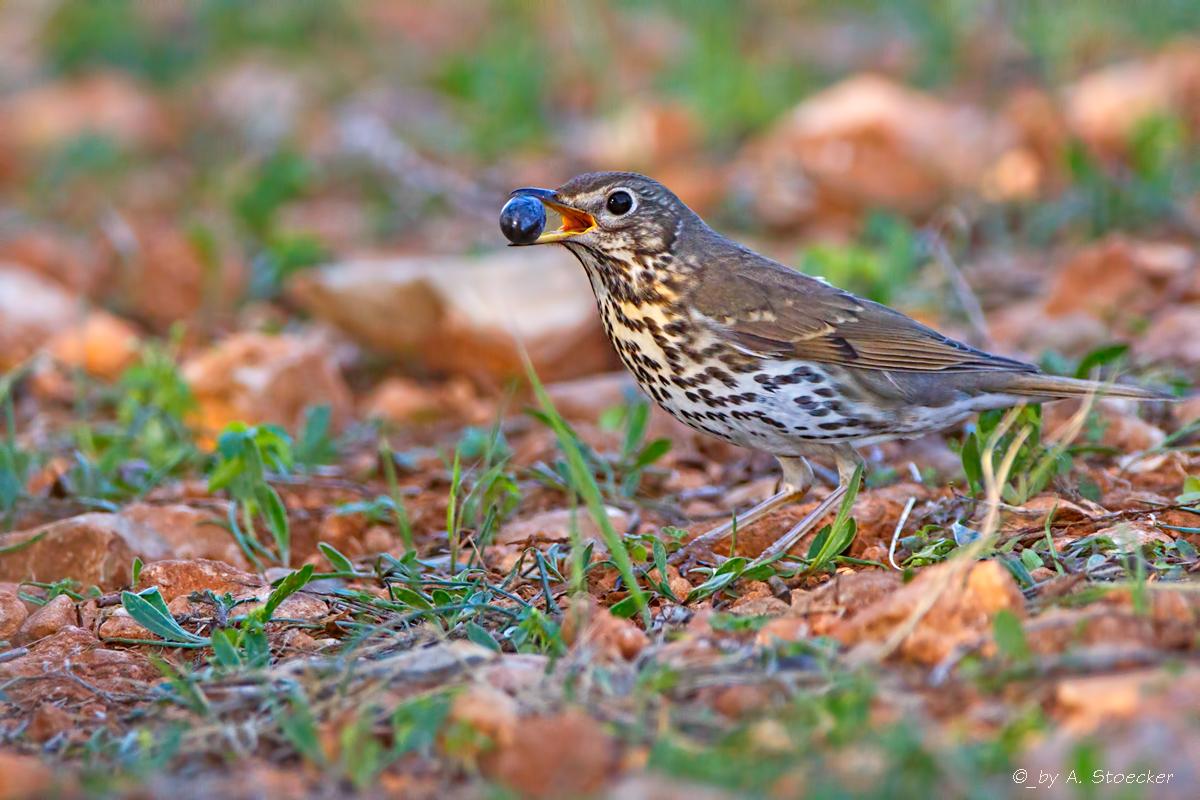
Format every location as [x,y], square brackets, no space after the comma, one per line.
[1055,387]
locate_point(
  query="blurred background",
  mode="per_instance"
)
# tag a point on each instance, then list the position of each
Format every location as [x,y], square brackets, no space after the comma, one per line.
[286,211]
[311,188]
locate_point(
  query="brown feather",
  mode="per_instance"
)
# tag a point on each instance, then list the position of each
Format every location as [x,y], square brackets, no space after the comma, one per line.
[762,306]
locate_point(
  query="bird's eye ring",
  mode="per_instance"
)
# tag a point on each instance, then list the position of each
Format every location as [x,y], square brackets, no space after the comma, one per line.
[619,202]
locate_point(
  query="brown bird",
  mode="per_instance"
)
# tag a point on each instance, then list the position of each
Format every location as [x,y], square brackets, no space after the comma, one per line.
[755,353]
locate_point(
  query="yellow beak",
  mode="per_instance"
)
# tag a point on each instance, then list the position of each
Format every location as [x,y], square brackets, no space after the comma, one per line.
[574,221]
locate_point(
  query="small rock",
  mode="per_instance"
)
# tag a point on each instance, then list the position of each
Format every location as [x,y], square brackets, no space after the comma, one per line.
[469,316]
[869,142]
[555,526]
[32,310]
[181,578]
[402,400]
[102,345]
[1114,424]
[48,721]
[963,610]
[57,614]
[741,700]
[299,606]
[566,755]
[261,102]
[24,777]
[120,625]
[191,532]
[296,639]
[782,629]
[488,711]
[118,671]
[1091,701]
[1104,107]
[108,104]
[593,630]
[1116,277]
[166,276]
[12,614]
[378,539]
[1173,336]
[588,398]
[95,549]
[256,378]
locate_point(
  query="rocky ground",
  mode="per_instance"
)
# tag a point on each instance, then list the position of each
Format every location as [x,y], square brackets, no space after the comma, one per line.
[288,513]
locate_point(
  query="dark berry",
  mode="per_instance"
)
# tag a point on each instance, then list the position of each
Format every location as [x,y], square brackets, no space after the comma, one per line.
[522,219]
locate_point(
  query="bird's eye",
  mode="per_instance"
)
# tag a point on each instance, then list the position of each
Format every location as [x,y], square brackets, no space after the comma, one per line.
[619,203]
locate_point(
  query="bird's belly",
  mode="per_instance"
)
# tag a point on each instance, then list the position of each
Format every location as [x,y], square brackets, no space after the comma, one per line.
[777,407]
[781,407]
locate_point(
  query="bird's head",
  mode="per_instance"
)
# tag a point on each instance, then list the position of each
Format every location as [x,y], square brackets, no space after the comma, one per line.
[616,213]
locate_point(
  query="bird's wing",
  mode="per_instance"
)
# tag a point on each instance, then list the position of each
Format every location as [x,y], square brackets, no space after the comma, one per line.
[764,307]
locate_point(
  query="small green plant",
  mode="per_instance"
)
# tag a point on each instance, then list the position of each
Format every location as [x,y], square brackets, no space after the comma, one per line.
[582,483]
[316,446]
[244,457]
[1034,466]
[620,473]
[835,538]
[15,462]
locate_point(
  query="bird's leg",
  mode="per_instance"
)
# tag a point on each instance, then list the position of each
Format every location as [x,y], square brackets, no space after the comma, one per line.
[847,461]
[797,478]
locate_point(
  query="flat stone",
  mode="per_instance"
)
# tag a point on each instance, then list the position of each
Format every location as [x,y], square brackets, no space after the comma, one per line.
[467,315]
[57,614]
[95,549]
[12,614]
[120,625]
[191,532]
[45,670]
[181,578]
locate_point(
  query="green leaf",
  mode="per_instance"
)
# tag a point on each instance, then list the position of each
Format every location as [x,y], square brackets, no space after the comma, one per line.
[818,542]
[639,414]
[291,583]
[232,441]
[411,598]
[12,548]
[652,452]
[480,636]
[277,519]
[1018,570]
[224,473]
[301,729]
[225,648]
[726,574]
[1010,636]
[624,608]
[1099,357]
[842,531]
[972,464]
[315,446]
[336,560]
[660,561]
[1031,560]
[137,570]
[416,723]
[255,644]
[148,610]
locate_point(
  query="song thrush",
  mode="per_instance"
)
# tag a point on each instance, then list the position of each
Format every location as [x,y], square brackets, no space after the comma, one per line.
[755,353]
